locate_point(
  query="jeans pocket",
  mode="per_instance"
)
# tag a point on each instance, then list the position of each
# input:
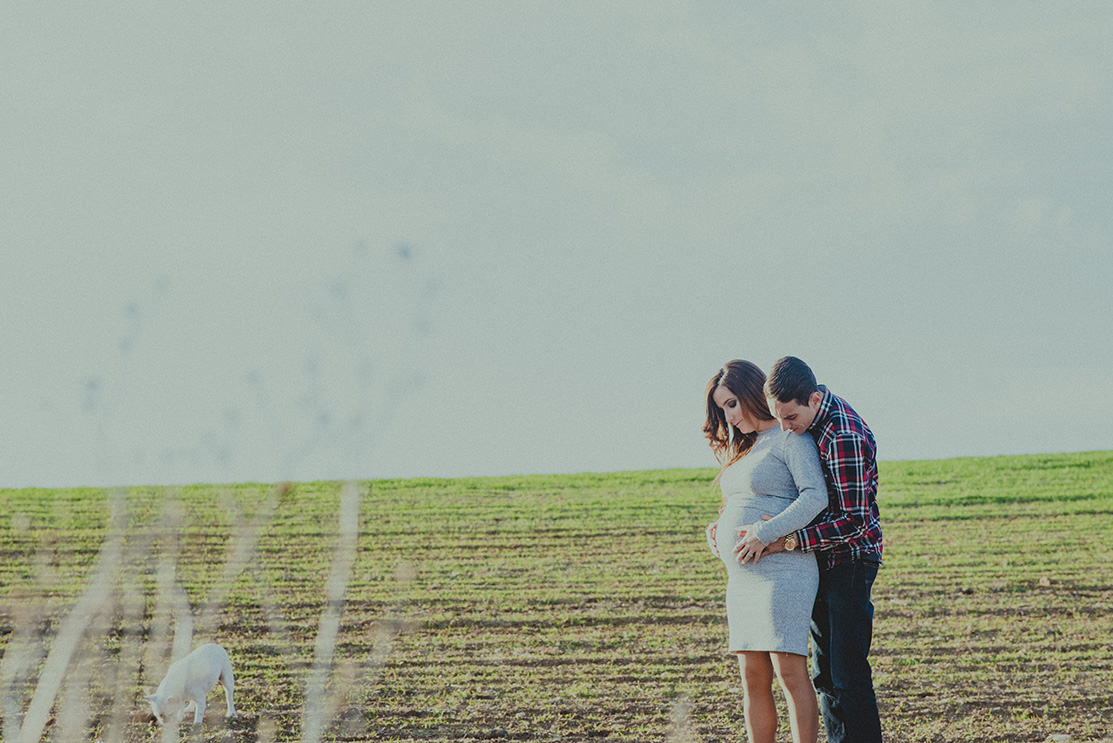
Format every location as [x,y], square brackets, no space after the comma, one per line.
[867,569]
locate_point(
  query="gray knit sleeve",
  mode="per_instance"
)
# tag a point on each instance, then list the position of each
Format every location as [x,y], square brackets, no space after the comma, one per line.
[801,456]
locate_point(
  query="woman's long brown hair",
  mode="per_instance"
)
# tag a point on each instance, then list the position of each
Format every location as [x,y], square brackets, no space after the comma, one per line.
[747,382]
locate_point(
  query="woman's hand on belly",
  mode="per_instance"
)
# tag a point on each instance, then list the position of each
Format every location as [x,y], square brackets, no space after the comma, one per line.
[712,532]
[749,547]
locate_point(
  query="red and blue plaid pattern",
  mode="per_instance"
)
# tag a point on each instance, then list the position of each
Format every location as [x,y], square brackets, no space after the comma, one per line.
[850,527]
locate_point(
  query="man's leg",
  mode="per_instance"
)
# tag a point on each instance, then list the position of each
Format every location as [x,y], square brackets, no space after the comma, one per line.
[842,630]
[821,663]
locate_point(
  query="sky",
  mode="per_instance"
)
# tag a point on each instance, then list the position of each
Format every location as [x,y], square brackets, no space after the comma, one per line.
[259,242]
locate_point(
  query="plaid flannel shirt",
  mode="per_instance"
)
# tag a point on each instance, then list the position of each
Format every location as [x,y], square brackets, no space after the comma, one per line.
[850,527]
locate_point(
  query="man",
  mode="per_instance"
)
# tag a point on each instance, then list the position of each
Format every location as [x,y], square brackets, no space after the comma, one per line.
[846,538]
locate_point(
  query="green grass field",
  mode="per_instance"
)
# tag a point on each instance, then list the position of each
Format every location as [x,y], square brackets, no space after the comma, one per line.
[549,608]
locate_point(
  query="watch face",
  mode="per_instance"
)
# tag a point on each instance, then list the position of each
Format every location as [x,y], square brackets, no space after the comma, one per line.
[790,543]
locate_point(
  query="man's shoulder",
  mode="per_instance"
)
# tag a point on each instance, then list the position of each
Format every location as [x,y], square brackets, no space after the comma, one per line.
[840,413]
[843,423]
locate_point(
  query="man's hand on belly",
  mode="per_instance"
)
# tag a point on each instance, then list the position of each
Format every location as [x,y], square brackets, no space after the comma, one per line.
[750,548]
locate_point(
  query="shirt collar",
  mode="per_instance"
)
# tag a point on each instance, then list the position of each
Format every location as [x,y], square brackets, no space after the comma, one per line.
[824,411]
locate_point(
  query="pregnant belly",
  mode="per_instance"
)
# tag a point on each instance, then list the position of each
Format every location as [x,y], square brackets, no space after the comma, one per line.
[739,513]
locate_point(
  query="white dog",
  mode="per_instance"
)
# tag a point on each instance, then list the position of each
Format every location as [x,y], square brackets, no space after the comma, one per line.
[188,681]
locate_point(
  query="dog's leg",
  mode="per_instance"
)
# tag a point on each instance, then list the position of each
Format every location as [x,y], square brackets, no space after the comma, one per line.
[199,710]
[228,681]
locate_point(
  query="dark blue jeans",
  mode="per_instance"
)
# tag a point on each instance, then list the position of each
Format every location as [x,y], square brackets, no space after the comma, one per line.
[842,629]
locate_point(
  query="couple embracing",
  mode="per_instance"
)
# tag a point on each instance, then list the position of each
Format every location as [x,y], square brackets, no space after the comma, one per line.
[799,533]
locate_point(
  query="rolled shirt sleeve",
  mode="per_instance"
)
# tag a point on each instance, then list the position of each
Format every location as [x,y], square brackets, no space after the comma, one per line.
[847,464]
[801,456]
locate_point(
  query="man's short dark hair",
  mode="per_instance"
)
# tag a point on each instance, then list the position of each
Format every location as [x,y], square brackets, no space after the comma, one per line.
[791,379]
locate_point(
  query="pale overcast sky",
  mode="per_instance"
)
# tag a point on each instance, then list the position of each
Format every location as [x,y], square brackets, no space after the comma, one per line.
[260,241]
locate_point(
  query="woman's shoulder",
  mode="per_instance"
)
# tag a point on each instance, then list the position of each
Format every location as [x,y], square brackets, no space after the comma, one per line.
[799,442]
[771,440]
[775,443]
[777,436]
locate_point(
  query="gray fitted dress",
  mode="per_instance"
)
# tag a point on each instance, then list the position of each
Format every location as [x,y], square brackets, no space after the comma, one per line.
[769,603]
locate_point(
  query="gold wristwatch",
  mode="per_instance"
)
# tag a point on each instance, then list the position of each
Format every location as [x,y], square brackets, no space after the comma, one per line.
[790,543]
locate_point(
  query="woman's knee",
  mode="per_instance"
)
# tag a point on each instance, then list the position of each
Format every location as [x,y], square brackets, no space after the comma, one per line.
[792,669]
[756,670]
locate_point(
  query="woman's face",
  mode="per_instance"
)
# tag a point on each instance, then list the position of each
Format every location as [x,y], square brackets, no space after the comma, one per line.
[729,403]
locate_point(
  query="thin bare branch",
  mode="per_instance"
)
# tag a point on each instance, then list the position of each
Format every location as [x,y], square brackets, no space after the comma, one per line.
[315,707]
[241,551]
[156,654]
[131,606]
[74,626]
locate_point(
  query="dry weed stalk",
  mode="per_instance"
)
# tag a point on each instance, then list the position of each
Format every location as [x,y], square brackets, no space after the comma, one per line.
[173,599]
[281,636]
[132,604]
[81,668]
[319,710]
[73,701]
[168,601]
[241,551]
[74,626]
[25,648]
[382,643]
[680,723]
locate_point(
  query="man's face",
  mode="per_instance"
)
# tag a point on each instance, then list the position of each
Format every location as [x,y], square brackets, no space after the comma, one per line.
[793,416]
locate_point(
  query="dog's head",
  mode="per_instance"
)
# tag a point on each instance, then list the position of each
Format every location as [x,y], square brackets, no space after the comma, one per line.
[170,708]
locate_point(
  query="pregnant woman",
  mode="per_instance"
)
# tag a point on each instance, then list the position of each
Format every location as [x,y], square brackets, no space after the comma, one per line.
[765,472]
